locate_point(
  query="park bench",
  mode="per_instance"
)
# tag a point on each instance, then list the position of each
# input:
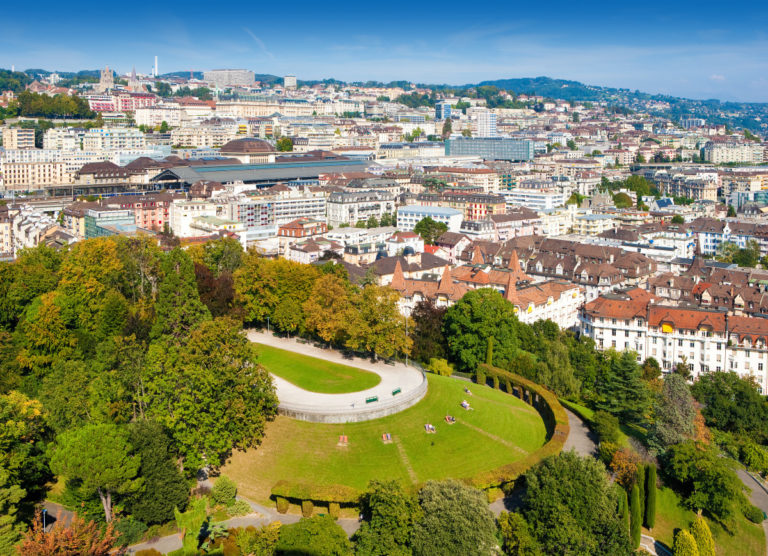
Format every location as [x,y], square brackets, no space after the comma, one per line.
[372,399]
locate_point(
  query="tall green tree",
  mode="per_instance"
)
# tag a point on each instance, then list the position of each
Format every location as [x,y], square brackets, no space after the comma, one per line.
[427,332]
[570,506]
[650,496]
[733,404]
[468,324]
[389,516]
[178,308]
[706,480]
[516,537]
[635,517]
[23,458]
[328,309]
[673,414]
[622,390]
[210,394]
[101,458]
[456,520]
[164,486]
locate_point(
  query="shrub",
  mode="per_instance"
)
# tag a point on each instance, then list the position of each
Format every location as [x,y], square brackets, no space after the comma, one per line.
[307,507]
[496,382]
[606,451]
[753,513]
[224,491]
[240,507]
[606,426]
[149,552]
[703,537]
[131,531]
[480,377]
[282,505]
[684,544]
[334,510]
[440,366]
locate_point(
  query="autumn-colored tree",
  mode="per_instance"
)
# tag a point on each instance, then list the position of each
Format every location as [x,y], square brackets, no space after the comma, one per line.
[376,324]
[328,309]
[625,463]
[79,538]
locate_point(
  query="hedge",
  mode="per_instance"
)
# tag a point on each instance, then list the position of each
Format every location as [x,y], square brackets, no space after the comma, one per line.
[298,492]
[334,510]
[282,505]
[307,507]
[554,416]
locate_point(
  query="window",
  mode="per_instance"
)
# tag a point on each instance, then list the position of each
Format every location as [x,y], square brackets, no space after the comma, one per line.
[680,343]
[759,366]
[693,345]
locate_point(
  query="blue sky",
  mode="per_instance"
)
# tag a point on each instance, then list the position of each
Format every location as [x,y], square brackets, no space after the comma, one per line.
[680,48]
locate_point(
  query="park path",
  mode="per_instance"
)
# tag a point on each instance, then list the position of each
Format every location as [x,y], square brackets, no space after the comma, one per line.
[405,460]
[492,436]
[580,439]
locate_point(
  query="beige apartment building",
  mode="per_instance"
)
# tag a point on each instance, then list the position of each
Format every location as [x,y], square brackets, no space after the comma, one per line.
[17,138]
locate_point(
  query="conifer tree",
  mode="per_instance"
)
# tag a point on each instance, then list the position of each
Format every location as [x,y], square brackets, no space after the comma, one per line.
[635,517]
[178,307]
[650,496]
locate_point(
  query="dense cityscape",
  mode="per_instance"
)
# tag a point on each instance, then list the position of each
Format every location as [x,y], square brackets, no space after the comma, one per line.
[252,314]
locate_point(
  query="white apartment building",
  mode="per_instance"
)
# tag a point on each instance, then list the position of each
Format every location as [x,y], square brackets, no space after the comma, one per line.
[154,116]
[593,224]
[182,215]
[63,138]
[353,207]
[202,136]
[536,199]
[704,340]
[409,216]
[103,139]
[280,205]
[720,153]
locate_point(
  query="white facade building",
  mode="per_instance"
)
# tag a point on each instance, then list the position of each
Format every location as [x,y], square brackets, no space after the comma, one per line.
[409,216]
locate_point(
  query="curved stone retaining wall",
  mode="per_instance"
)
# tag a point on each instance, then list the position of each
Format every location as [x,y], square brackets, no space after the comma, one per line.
[357,413]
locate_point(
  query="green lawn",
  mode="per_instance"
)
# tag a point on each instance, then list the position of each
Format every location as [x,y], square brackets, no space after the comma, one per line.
[745,540]
[500,429]
[315,375]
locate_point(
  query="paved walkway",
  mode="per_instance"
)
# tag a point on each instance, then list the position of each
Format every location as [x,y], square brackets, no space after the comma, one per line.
[407,378]
[580,439]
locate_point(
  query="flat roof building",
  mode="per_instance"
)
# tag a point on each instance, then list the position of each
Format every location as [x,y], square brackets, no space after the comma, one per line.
[490,148]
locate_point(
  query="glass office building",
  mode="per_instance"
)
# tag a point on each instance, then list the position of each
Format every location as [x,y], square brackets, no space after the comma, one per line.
[490,148]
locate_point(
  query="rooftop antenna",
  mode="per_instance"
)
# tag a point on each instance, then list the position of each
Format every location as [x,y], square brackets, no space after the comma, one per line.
[156,72]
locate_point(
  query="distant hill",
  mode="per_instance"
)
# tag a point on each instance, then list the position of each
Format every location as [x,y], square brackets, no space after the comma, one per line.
[552,88]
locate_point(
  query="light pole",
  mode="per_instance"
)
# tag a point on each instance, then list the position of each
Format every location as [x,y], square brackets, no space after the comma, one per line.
[45,510]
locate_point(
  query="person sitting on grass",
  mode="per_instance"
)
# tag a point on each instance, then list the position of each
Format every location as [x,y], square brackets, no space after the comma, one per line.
[465,405]
[450,419]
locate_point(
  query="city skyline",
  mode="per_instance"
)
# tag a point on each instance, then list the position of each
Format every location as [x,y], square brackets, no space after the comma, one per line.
[683,51]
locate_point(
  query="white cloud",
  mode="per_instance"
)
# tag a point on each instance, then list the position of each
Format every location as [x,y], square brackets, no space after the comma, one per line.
[717,77]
